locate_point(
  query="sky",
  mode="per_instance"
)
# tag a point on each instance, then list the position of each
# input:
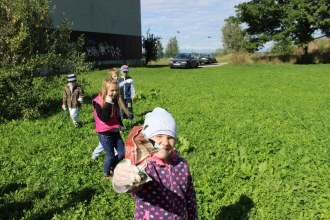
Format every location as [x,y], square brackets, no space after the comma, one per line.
[196,24]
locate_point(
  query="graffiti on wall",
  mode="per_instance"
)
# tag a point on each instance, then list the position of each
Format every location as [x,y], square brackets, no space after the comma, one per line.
[102,48]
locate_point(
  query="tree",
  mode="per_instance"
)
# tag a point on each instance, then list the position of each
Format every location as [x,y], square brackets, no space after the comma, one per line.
[284,47]
[28,37]
[33,55]
[160,49]
[22,30]
[232,36]
[172,47]
[276,20]
[324,19]
[150,43]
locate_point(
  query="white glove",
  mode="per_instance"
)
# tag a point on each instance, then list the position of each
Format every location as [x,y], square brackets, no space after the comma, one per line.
[124,176]
[64,107]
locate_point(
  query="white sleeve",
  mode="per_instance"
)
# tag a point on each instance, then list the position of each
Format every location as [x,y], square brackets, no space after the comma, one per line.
[121,84]
[133,94]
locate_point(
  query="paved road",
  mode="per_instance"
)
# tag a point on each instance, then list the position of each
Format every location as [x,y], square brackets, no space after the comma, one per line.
[212,65]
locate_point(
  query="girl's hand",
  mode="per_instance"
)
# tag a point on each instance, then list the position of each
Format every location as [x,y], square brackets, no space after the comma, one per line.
[124,177]
[108,99]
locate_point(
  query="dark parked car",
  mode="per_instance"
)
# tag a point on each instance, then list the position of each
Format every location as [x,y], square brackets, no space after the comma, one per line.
[184,60]
[206,59]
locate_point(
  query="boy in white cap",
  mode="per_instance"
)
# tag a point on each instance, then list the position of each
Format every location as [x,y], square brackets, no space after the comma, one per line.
[73,96]
[127,89]
[169,190]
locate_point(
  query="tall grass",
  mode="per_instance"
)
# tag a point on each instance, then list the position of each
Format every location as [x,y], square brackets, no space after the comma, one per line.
[256,138]
[319,52]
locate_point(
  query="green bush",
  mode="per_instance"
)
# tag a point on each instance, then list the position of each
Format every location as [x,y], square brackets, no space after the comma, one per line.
[33,54]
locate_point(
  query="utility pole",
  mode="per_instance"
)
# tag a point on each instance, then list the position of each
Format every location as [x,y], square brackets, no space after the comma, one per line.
[209,37]
[177,39]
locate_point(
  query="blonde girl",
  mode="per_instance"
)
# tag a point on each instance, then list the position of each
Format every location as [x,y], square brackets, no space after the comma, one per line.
[107,106]
[112,73]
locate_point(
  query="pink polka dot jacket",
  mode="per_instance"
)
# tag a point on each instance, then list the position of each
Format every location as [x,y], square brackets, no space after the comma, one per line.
[170,194]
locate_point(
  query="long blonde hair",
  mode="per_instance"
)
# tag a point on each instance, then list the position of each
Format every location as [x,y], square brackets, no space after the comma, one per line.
[104,91]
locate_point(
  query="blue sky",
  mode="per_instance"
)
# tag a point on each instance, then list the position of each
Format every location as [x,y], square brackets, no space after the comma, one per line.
[199,22]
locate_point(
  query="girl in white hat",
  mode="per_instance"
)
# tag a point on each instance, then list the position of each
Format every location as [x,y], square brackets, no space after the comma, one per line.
[169,193]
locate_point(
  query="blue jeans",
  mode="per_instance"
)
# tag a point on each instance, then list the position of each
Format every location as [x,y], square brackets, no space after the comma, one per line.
[110,143]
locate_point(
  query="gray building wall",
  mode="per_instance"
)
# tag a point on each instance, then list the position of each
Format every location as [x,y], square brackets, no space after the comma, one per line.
[112,28]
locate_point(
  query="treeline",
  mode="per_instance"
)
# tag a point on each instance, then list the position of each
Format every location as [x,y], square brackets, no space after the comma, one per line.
[319,52]
[288,24]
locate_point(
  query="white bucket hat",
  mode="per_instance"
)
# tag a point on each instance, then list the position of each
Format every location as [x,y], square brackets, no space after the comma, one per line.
[159,121]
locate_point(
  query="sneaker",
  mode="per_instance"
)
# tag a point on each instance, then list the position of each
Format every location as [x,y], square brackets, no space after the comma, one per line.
[78,124]
[108,177]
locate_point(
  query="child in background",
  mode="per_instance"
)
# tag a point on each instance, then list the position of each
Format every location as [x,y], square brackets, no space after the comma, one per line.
[113,73]
[170,194]
[73,96]
[107,115]
[127,89]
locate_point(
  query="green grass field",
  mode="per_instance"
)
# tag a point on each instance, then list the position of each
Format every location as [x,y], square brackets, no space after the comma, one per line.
[256,138]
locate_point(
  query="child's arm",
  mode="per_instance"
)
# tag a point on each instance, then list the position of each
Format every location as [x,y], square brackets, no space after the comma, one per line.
[133,94]
[124,177]
[104,113]
[81,95]
[121,82]
[191,199]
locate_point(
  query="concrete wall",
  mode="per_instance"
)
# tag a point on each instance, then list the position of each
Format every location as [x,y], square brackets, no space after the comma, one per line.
[112,28]
[103,16]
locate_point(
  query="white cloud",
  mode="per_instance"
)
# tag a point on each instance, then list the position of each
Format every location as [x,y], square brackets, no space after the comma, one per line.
[196,21]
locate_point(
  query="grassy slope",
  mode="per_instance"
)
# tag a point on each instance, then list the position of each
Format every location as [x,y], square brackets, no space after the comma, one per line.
[256,138]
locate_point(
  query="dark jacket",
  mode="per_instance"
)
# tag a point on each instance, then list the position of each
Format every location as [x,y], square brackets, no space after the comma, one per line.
[170,194]
[128,89]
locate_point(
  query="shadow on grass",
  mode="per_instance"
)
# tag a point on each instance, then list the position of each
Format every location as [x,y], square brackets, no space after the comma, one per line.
[17,209]
[84,196]
[14,210]
[11,187]
[237,211]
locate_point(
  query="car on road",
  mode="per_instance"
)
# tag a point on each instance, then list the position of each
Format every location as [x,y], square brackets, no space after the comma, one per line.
[206,59]
[184,60]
